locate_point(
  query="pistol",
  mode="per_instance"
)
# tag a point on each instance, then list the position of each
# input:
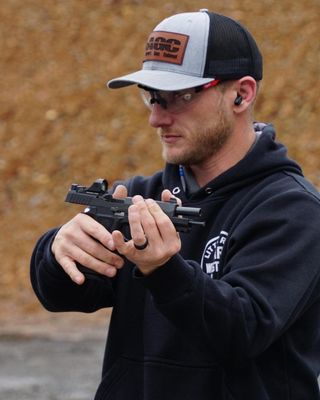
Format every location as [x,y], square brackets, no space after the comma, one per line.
[113,213]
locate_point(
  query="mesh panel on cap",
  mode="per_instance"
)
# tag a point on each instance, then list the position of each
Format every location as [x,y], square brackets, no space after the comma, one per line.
[232,52]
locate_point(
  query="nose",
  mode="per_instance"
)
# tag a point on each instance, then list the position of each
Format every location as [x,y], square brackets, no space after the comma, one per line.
[159,117]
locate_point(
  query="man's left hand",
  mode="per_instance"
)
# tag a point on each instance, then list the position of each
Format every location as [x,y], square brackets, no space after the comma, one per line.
[152,231]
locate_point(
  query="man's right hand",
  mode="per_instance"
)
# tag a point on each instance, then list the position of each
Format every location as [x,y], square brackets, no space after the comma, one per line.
[87,242]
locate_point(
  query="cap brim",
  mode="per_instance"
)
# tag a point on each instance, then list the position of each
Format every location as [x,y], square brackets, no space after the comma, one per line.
[159,80]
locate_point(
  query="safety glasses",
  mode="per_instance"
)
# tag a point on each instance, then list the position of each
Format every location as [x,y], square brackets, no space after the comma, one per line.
[173,101]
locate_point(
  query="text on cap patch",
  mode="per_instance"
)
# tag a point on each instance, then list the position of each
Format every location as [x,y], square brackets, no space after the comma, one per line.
[166,47]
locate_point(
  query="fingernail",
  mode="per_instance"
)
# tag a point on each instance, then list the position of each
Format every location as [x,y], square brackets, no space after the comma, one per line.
[119,263]
[78,279]
[137,198]
[111,272]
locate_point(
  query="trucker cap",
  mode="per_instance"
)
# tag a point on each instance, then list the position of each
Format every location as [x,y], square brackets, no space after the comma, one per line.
[192,49]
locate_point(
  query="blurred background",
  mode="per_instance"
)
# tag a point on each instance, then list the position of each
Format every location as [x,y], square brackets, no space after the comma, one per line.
[59,124]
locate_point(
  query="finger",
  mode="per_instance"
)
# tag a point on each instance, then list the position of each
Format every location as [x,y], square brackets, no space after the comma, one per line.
[111,272]
[143,224]
[95,230]
[122,246]
[85,233]
[120,192]
[91,262]
[165,226]
[73,245]
[70,268]
[167,196]
[137,216]
[96,250]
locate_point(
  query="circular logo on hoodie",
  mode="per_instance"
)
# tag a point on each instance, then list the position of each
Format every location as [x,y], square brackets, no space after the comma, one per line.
[210,262]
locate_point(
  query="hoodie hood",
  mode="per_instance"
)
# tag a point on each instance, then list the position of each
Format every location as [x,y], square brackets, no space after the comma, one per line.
[266,157]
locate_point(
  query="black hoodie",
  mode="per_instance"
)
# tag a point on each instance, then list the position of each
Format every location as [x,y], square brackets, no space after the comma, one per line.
[234,315]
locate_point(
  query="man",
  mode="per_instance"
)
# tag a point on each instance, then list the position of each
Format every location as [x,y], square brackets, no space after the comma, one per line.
[230,310]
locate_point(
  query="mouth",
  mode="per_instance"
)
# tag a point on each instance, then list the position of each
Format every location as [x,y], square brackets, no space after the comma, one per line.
[169,138]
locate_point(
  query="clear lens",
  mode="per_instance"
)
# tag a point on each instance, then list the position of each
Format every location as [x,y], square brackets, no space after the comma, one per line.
[171,101]
[146,97]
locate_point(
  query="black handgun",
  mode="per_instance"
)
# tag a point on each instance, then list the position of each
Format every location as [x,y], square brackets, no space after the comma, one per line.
[113,213]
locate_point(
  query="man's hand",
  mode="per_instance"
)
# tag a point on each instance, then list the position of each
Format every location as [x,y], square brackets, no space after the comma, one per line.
[87,242]
[148,222]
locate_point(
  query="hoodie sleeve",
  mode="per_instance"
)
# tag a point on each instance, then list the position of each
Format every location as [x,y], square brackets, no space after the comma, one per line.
[56,291]
[270,278]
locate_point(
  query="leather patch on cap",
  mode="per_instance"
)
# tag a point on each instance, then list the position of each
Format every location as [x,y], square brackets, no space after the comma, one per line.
[166,47]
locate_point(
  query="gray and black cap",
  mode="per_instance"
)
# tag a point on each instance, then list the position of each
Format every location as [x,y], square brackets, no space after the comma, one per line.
[192,49]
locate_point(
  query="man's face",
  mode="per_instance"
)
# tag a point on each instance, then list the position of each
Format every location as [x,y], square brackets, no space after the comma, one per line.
[197,133]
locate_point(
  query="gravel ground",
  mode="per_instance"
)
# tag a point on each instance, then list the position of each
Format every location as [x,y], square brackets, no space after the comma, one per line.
[51,356]
[46,369]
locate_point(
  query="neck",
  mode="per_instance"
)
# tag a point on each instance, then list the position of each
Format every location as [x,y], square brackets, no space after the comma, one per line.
[234,150]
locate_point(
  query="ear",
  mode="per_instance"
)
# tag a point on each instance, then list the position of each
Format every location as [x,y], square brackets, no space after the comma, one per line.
[245,87]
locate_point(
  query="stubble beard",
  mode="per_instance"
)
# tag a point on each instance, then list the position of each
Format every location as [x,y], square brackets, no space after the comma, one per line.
[205,143]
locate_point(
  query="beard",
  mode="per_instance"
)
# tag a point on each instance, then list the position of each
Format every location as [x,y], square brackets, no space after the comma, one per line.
[205,142]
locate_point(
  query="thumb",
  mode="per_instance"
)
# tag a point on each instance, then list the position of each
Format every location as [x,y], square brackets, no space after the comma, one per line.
[167,196]
[120,192]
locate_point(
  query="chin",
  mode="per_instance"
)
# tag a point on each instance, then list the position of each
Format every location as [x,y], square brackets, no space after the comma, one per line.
[173,159]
